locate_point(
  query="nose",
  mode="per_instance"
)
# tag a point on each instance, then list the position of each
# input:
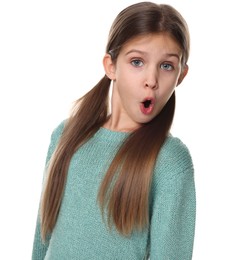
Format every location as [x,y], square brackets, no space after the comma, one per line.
[151,80]
[150,85]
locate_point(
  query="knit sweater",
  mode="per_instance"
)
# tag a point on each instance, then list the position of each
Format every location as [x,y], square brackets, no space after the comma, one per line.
[80,232]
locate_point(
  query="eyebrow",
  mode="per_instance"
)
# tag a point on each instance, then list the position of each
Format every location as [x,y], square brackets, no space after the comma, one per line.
[144,53]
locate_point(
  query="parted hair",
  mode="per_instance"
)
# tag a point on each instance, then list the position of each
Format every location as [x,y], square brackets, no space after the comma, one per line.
[124,191]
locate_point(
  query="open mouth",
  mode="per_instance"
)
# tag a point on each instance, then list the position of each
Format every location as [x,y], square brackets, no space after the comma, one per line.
[147,106]
[147,103]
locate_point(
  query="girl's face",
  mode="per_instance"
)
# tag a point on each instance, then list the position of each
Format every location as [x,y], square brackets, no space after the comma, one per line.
[145,75]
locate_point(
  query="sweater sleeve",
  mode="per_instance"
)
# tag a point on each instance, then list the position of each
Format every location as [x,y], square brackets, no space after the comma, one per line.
[40,247]
[173,204]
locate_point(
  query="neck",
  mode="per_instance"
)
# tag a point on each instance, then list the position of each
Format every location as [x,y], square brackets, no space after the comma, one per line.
[118,125]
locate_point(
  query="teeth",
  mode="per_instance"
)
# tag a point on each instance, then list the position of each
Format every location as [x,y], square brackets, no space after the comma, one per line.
[147,103]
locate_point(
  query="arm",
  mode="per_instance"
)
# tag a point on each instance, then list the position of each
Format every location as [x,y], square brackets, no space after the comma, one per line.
[174,207]
[39,247]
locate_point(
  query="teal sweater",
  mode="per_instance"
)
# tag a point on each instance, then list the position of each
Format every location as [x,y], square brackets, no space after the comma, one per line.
[80,232]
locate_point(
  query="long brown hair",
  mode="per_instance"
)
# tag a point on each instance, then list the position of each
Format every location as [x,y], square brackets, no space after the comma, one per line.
[126,202]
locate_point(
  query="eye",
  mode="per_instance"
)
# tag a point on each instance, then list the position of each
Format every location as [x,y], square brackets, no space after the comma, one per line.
[166,66]
[137,63]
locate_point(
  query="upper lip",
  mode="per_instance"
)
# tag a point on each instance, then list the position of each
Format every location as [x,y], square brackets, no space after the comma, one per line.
[151,99]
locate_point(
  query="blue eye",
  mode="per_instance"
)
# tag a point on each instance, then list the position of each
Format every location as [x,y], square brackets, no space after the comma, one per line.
[137,63]
[166,66]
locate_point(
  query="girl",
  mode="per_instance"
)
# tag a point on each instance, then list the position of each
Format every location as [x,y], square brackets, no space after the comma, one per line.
[118,185]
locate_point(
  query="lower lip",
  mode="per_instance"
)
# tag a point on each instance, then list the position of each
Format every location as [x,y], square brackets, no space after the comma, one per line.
[146,110]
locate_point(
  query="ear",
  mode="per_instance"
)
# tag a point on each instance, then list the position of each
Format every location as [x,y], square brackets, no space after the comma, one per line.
[184,72]
[109,66]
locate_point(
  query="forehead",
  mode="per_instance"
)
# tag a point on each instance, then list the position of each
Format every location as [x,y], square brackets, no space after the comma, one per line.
[161,42]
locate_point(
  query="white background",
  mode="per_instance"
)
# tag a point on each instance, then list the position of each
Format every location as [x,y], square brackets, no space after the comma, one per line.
[51,53]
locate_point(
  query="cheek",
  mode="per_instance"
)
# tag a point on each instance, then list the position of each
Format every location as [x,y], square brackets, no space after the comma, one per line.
[168,79]
[126,86]
[170,89]
[166,93]
[125,93]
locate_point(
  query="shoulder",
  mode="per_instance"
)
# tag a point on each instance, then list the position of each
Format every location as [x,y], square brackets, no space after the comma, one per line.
[174,170]
[57,132]
[175,151]
[174,158]
[55,136]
